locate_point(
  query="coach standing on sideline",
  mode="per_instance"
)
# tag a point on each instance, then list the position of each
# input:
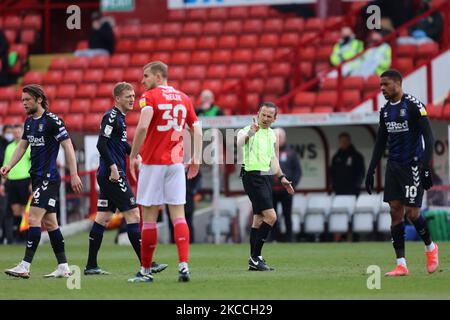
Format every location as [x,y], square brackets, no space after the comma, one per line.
[260,162]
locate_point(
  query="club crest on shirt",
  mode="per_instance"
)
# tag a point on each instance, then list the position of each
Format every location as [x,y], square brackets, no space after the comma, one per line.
[41,127]
[402,112]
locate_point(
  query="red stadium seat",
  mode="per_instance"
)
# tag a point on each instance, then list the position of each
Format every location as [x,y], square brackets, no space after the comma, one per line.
[187,43]
[242,55]
[248,41]
[269,40]
[16,109]
[191,87]
[74,121]
[258,69]
[294,24]
[33,77]
[314,24]
[192,28]
[72,76]
[207,42]
[50,91]
[92,122]
[253,101]
[404,65]
[12,120]
[253,26]
[229,101]
[326,98]
[60,106]
[330,38]
[11,36]
[259,11]
[263,55]
[350,98]
[305,99]
[86,91]
[218,13]
[113,75]
[139,59]
[78,63]
[372,83]
[406,50]
[32,21]
[435,111]
[240,12]
[233,26]
[105,89]
[3,109]
[93,75]
[237,70]
[151,30]
[213,28]
[255,85]
[221,56]
[427,50]
[324,53]
[177,73]
[329,84]
[280,69]
[130,31]
[275,85]
[145,45]
[100,105]
[28,36]
[161,56]
[446,111]
[199,57]
[66,91]
[125,46]
[196,72]
[119,60]
[21,49]
[53,77]
[353,82]
[274,25]
[172,29]
[83,44]
[12,22]
[212,84]
[133,75]
[176,14]
[133,118]
[333,22]
[289,39]
[99,62]
[216,71]
[59,63]
[199,14]
[80,106]
[228,41]
[181,58]
[166,44]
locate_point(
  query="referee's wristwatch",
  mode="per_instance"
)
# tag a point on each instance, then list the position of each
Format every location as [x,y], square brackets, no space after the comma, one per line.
[281,177]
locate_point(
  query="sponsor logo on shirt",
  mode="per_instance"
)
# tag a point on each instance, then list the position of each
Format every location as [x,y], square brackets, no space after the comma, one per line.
[35,141]
[394,127]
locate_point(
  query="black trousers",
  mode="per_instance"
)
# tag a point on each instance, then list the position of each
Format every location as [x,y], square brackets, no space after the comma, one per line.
[286,203]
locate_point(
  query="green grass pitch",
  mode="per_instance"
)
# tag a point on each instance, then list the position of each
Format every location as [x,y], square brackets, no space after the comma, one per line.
[303,271]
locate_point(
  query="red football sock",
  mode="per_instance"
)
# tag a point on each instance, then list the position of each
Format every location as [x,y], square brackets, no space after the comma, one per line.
[149,240]
[181,236]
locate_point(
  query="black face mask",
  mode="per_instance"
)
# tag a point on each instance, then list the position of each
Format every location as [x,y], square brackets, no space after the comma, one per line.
[346,39]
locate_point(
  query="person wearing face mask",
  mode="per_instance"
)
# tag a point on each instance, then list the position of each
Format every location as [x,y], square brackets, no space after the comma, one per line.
[207,107]
[5,139]
[347,47]
[17,185]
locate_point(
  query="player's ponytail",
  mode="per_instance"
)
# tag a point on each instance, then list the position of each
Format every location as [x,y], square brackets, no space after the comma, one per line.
[36,91]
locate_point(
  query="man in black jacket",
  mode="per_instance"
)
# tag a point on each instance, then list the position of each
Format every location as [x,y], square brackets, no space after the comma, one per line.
[4,49]
[290,165]
[347,168]
[101,40]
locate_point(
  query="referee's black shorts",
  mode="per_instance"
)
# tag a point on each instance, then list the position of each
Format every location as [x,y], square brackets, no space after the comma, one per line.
[259,189]
[18,191]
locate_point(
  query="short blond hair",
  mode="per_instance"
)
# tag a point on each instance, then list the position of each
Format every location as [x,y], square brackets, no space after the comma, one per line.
[121,87]
[158,67]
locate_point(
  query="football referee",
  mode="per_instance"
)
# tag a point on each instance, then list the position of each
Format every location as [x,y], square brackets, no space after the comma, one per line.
[259,145]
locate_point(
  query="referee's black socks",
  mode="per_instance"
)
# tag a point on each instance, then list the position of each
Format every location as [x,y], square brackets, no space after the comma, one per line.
[261,237]
[398,239]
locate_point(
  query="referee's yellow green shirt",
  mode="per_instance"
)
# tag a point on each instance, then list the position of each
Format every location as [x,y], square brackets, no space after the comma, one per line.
[22,168]
[259,150]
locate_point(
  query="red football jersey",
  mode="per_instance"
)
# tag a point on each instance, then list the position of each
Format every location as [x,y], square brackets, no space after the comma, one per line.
[172,110]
